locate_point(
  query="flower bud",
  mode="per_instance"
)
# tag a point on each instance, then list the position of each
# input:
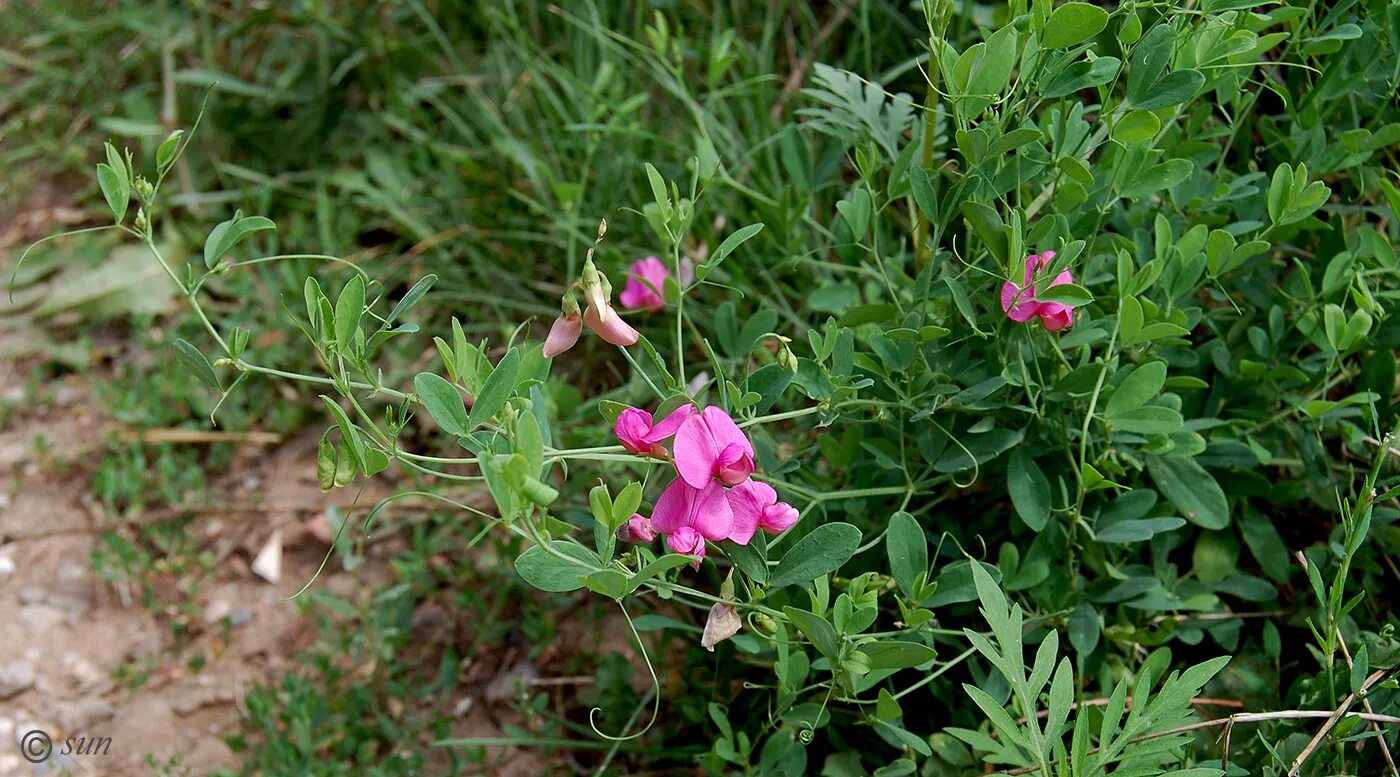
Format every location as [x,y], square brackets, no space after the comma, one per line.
[563,333]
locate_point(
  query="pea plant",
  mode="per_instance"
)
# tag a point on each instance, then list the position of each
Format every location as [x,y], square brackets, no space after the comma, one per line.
[1070,340]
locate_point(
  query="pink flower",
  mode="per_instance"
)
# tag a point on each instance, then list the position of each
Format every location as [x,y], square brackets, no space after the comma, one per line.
[637,529]
[755,506]
[638,434]
[646,285]
[710,445]
[1020,303]
[610,326]
[689,516]
[563,334]
[689,542]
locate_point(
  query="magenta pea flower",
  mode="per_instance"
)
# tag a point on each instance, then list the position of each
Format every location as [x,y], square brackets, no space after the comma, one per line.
[1020,303]
[638,529]
[638,433]
[755,506]
[689,516]
[563,333]
[711,446]
[646,285]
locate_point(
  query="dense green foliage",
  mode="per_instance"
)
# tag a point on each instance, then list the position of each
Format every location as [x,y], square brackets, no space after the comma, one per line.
[1052,551]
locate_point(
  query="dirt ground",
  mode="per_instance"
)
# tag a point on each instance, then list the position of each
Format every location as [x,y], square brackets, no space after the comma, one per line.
[67,634]
[68,638]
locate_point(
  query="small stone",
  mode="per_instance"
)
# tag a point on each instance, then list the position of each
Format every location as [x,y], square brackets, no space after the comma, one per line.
[7,566]
[217,610]
[16,677]
[268,563]
[32,594]
[80,714]
[38,618]
[463,706]
[240,616]
[507,685]
[82,672]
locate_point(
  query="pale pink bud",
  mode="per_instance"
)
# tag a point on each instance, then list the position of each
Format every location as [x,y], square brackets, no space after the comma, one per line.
[563,334]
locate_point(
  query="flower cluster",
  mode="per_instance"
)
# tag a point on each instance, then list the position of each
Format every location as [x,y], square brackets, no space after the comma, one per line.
[646,283]
[713,496]
[1020,303]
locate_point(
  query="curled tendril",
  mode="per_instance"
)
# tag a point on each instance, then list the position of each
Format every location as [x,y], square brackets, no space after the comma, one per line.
[806,734]
[976,468]
[655,686]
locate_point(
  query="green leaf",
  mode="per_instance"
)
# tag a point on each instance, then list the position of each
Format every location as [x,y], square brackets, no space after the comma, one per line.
[817,629]
[354,444]
[497,389]
[665,563]
[907,549]
[608,582]
[223,237]
[115,189]
[543,569]
[921,187]
[894,654]
[1065,294]
[626,504]
[730,243]
[1157,177]
[349,308]
[1149,419]
[769,382]
[443,402]
[1280,189]
[166,152]
[1073,23]
[1083,75]
[1029,489]
[988,224]
[1176,88]
[822,551]
[1191,489]
[1141,385]
[1137,127]
[412,297]
[198,363]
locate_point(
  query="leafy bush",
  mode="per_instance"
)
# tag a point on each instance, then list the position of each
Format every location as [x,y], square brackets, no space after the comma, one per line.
[1084,338]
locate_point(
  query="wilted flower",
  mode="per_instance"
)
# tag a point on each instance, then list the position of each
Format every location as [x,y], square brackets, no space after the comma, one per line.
[709,446]
[722,623]
[1020,303]
[600,315]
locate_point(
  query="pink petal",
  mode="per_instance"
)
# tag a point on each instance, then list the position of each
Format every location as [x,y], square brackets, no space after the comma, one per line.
[646,283]
[748,500]
[562,335]
[724,430]
[695,452]
[631,429]
[671,423]
[710,513]
[1019,304]
[637,529]
[779,518]
[672,507]
[610,326]
[734,465]
[687,541]
[1055,320]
